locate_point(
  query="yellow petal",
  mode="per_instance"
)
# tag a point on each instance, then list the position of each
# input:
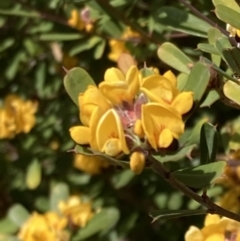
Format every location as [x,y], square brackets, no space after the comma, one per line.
[159,87]
[113,74]
[193,234]
[183,102]
[132,81]
[211,219]
[115,91]
[137,162]
[80,134]
[138,128]
[216,237]
[112,147]
[156,118]
[165,138]
[171,77]
[109,127]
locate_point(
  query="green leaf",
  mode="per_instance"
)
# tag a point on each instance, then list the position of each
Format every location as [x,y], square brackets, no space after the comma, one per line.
[232,91]
[99,49]
[200,176]
[120,180]
[168,214]
[181,81]
[229,3]
[60,192]
[228,15]
[60,36]
[231,56]
[20,13]
[18,214]
[33,176]
[208,48]
[174,57]
[213,35]
[5,237]
[212,96]
[85,45]
[221,44]
[6,43]
[145,72]
[198,80]
[182,21]
[209,139]
[76,81]
[194,137]
[174,156]
[116,162]
[102,221]
[7,226]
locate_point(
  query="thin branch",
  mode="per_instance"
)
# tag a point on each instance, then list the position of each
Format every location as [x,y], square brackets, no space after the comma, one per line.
[203,200]
[202,16]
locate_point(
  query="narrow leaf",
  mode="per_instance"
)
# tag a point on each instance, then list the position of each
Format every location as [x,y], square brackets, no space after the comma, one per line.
[198,80]
[174,57]
[211,97]
[232,91]
[229,3]
[200,176]
[60,192]
[231,56]
[209,139]
[76,81]
[168,214]
[228,15]
[33,177]
[60,36]
[208,48]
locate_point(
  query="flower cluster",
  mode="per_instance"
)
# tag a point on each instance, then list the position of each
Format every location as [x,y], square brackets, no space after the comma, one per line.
[16,116]
[51,226]
[81,19]
[131,114]
[215,229]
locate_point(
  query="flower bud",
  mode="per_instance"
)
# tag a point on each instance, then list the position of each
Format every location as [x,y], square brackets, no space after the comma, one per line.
[137,162]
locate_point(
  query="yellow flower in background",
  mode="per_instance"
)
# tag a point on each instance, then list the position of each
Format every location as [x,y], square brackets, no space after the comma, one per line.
[117,87]
[230,200]
[77,211]
[117,47]
[81,19]
[90,164]
[163,90]
[233,32]
[44,227]
[16,116]
[215,229]
[161,125]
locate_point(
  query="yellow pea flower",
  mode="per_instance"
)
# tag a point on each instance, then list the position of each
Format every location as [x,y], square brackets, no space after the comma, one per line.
[117,87]
[7,124]
[89,101]
[163,90]
[161,125]
[109,134]
[215,229]
[42,227]
[90,164]
[77,211]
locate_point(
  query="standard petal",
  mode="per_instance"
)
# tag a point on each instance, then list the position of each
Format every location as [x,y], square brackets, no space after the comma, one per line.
[193,233]
[132,81]
[171,77]
[165,138]
[115,92]
[183,102]
[113,74]
[159,87]
[80,134]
